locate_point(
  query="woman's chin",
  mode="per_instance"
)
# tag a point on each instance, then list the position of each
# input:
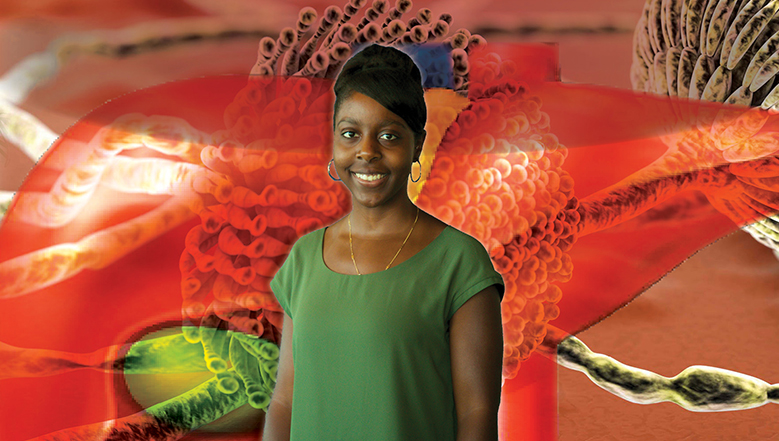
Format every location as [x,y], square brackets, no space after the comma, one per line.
[370,204]
[377,203]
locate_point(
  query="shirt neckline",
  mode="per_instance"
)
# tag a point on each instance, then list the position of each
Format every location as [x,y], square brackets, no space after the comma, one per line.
[423,250]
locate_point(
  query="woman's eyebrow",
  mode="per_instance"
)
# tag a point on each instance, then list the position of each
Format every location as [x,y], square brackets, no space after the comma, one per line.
[347,120]
[385,122]
[388,122]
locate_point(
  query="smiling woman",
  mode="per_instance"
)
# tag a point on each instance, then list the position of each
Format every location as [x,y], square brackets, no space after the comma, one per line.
[405,352]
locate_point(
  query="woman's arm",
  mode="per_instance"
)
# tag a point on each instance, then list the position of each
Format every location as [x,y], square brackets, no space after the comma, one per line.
[279,416]
[476,342]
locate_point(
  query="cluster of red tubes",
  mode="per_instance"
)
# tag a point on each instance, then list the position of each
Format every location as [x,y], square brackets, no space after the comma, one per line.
[497,176]
[276,137]
[335,38]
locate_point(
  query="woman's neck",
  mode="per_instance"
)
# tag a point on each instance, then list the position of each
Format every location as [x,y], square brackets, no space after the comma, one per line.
[382,222]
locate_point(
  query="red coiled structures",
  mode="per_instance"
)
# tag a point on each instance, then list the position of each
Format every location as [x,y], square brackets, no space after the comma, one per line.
[333,39]
[269,187]
[497,176]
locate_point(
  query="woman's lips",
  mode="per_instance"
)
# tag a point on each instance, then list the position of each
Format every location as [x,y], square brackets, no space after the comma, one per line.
[373,183]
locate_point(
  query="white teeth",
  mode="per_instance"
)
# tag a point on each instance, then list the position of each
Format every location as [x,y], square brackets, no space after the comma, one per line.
[369,177]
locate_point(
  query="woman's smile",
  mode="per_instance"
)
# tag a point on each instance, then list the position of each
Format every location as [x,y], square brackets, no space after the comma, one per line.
[371,179]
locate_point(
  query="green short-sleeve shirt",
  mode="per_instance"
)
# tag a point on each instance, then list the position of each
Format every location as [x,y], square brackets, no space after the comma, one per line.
[371,352]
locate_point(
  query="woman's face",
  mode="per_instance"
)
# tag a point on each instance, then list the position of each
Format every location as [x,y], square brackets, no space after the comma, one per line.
[373,150]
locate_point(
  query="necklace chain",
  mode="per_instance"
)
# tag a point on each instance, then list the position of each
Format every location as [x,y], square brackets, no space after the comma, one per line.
[351,250]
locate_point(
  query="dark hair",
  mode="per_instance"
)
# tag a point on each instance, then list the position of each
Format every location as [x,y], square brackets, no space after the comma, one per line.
[388,76]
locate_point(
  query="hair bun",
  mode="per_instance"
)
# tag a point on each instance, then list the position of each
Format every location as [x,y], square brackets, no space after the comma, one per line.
[382,57]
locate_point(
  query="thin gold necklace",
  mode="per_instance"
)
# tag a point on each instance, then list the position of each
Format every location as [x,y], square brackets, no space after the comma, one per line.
[351,250]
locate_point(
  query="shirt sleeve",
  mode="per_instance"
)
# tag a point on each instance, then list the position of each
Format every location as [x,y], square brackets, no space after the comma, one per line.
[475,273]
[282,282]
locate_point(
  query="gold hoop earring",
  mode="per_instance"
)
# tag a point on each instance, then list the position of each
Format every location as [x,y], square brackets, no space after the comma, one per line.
[420,172]
[328,170]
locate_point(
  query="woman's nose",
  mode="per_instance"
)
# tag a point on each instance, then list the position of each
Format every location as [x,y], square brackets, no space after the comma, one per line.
[369,150]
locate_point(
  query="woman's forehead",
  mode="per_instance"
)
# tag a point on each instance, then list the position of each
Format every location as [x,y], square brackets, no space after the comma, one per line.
[360,108]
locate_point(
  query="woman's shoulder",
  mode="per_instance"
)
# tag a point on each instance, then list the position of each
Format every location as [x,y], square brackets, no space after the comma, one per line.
[309,240]
[464,239]
[452,243]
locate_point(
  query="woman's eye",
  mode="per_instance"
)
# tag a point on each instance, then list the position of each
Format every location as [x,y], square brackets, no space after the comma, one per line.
[348,134]
[388,137]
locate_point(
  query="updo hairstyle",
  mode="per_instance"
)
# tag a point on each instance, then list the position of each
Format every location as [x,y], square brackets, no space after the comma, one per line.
[388,76]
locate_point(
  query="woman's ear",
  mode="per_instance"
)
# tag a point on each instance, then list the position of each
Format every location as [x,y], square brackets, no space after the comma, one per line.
[420,143]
